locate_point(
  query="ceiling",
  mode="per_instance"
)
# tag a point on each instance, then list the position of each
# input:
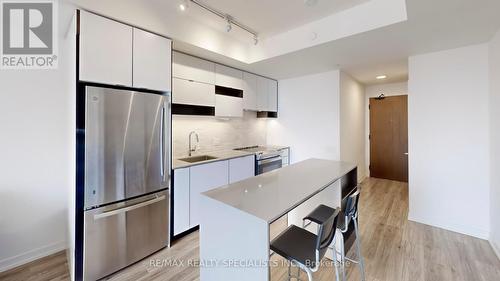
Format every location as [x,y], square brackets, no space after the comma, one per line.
[365,38]
[270,17]
[431,26]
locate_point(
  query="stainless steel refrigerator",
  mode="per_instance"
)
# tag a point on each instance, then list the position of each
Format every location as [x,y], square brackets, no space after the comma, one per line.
[127,178]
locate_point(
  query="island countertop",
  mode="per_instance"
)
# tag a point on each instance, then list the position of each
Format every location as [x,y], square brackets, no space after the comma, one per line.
[271,195]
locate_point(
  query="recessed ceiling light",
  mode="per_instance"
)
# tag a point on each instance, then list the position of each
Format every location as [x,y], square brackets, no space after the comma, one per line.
[380,77]
[184,5]
[310,3]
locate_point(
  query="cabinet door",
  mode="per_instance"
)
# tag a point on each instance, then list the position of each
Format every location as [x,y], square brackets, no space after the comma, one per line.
[181,200]
[228,77]
[285,161]
[193,93]
[192,68]
[152,57]
[105,50]
[226,106]
[241,168]
[203,178]
[249,91]
[262,93]
[272,98]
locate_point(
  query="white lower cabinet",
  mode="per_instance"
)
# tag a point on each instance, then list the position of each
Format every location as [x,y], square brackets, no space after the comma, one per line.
[203,178]
[241,168]
[285,156]
[181,200]
[191,181]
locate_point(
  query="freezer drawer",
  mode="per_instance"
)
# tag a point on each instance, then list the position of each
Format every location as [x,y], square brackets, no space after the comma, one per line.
[121,234]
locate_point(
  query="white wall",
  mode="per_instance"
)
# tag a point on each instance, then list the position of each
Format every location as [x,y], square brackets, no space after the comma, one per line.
[449,140]
[37,135]
[495,142]
[308,119]
[352,123]
[373,91]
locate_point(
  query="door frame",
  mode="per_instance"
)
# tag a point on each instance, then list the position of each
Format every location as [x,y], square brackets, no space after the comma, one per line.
[368,127]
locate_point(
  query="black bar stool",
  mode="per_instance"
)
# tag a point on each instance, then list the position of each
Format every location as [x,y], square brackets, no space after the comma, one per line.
[350,213]
[305,249]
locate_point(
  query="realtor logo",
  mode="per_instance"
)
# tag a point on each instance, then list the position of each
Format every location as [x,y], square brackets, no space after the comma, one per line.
[28,34]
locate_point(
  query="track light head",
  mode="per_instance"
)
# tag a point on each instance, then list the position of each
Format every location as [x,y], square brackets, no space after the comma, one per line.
[229,25]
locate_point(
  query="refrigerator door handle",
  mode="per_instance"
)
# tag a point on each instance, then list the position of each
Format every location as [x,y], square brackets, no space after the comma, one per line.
[166,143]
[129,208]
[162,143]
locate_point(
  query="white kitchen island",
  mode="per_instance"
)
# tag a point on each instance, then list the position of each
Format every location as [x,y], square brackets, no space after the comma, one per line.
[234,229]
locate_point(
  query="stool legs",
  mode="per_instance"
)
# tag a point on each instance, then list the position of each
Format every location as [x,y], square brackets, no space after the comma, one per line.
[342,255]
[334,251]
[299,268]
[289,271]
[358,246]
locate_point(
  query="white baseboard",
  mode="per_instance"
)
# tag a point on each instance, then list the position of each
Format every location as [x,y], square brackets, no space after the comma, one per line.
[451,226]
[496,248]
[15,261]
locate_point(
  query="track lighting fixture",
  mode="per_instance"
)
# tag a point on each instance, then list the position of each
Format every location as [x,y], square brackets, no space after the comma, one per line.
[230,21]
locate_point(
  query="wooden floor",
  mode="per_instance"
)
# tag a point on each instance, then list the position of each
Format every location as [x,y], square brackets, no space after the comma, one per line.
[394,249]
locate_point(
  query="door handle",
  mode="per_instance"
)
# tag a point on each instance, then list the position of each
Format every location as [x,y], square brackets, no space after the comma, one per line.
[129,208]
[162,143]
[406,153]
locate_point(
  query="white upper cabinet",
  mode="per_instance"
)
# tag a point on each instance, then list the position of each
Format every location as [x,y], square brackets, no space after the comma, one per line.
[228,77]
[192,92]
[117,54]
[249,91]
[272,98]
[105,50]
[152,57]
[262,93]
[267,94]
[227,106]
[241,168]
[192,68]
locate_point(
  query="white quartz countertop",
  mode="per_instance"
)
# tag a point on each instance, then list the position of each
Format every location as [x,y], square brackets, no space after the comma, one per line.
[271,195]
[220,156]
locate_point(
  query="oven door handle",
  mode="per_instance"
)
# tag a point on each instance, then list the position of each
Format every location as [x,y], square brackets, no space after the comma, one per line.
[270,160]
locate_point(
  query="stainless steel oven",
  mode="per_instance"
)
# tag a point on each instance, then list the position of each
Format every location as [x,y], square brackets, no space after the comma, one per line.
[268,164]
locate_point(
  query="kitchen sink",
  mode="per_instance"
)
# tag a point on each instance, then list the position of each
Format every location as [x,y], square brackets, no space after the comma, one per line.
[199,158]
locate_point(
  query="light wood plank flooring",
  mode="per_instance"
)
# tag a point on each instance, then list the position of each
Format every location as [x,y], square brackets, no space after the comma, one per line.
[394,248]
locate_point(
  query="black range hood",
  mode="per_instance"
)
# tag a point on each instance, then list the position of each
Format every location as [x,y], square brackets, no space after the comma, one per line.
[267,114]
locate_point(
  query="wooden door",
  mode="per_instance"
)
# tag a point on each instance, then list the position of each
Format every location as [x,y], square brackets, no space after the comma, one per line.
[389,138]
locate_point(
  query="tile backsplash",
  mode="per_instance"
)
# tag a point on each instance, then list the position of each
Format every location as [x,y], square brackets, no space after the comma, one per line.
[217,133]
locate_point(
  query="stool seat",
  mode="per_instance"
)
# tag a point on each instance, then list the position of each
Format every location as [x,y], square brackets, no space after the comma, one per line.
[296,243]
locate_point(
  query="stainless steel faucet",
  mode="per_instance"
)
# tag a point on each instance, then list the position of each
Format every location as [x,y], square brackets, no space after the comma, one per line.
[191,149]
